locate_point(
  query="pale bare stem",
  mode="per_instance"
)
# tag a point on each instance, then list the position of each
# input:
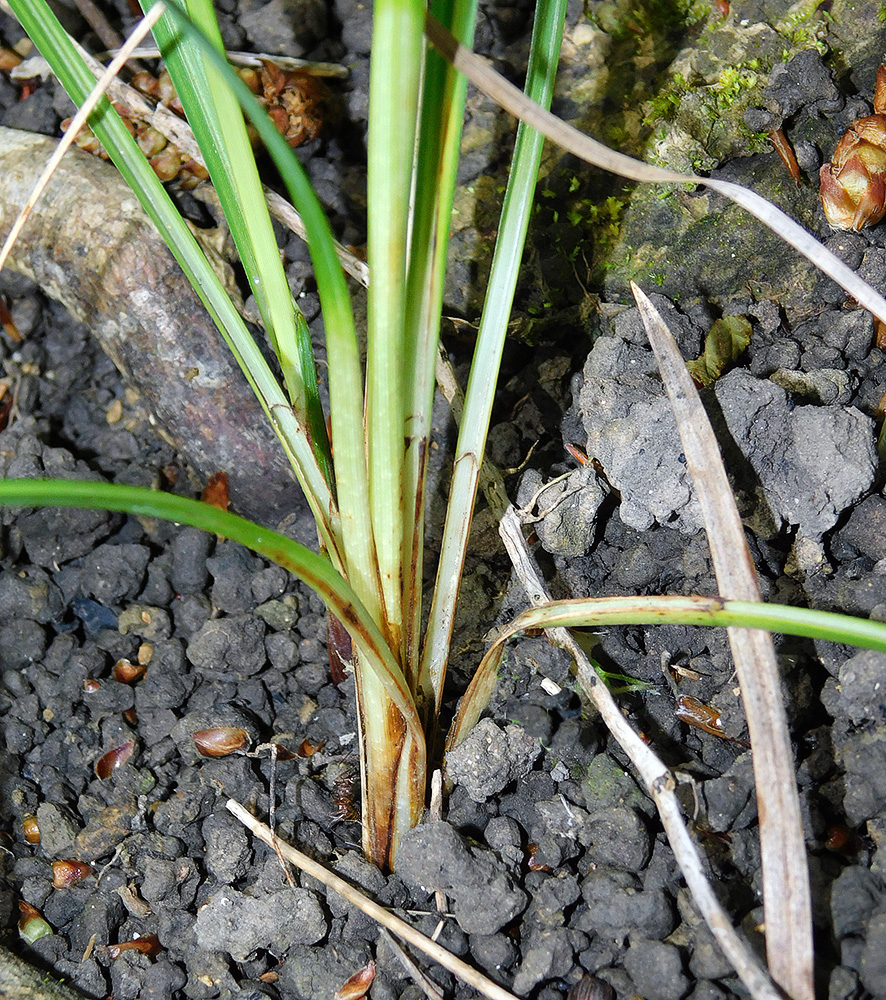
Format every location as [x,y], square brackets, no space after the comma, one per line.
[141,29]
[435,814]
[786,894]
[658,778]
[272,809]
[255,60]
[372,909]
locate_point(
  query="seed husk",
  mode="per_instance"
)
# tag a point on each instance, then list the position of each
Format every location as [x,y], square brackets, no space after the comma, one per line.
[127,672]
[110,761]
[220,741]
[31,924]
[147,944]
[356,986]
[68,873]
[31,829]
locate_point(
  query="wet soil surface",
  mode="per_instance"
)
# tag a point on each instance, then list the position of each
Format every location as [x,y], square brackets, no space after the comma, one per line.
[549,854]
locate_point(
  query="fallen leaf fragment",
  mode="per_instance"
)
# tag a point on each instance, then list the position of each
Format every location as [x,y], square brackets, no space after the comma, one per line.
[727,338]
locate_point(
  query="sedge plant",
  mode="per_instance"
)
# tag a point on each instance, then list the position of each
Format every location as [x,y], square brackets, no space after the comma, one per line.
[368,495]
[369,500]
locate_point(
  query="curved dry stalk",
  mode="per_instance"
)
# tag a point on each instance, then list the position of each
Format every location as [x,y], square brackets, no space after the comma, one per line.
[388,920]
[658,778]
[77,122]
[570,139]
[786,895]
[177,131]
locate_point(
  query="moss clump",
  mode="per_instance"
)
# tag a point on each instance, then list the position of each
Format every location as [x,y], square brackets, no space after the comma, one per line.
[804,27]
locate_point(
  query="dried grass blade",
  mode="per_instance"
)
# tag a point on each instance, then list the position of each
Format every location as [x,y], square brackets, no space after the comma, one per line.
[785,877]
[255,60]
[485,79]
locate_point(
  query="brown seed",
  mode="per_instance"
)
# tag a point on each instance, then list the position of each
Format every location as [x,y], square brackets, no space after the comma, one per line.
[110,761]
[148,944]
[91,684]
[8,59]
[590,988]
[357,985]
[31,924]
[146,83]
[131,716]
[66,874]
[127,672]
[220,741]
[31,829]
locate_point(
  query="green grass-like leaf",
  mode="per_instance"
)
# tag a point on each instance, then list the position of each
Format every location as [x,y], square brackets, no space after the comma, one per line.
[313,569]
[52,41]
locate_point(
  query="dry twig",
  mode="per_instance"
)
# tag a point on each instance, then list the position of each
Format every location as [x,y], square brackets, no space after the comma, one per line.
[368,906]
[658,778]
[427,987]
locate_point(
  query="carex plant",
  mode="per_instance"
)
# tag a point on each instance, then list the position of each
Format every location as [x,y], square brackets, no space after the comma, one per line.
[367,495]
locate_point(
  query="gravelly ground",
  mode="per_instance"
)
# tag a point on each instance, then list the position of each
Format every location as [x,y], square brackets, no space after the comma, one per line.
[550,855]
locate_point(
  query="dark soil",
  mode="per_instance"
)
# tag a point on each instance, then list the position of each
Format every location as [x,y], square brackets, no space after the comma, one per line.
[550,855]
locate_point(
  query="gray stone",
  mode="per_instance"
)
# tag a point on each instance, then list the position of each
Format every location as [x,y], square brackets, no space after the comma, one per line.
[239,924]
[812,461]
[657,970]
[862,686]
[484,898]
[232,647]
[489,758]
